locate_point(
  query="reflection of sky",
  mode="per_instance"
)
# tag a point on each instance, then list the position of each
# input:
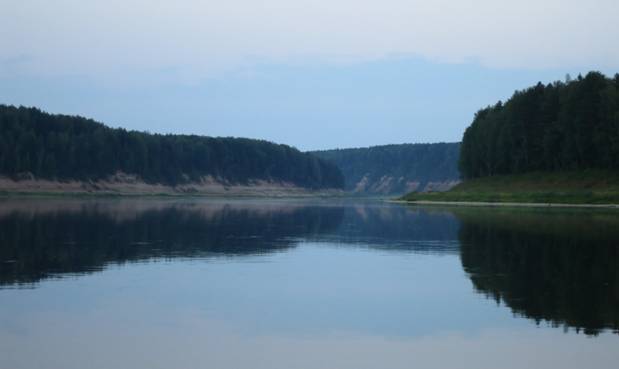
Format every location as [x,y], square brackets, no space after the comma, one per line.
[383,289]
[350,307]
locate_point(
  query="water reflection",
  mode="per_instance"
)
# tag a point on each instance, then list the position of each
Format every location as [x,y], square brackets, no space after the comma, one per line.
[391,228]
[557,266]
[40,239]
[48,238]
[561,267]
[303,284]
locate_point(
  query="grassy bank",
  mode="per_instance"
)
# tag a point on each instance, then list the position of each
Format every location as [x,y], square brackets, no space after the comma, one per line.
[582,187]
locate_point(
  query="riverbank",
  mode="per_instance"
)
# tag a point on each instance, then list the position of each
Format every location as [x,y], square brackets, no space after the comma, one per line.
[584,188]
[127,185]
[508,204]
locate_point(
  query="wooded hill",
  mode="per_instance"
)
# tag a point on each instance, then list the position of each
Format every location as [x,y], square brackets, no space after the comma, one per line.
[563,126]
[397,169]
[61,147]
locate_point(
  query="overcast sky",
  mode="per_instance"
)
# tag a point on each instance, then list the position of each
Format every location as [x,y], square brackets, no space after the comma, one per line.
[310,73]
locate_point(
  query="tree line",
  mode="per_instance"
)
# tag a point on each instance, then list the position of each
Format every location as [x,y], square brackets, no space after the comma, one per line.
[408,162]
[62,147]
[562,126]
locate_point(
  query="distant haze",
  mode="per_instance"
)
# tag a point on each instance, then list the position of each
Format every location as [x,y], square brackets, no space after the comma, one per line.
[315,74]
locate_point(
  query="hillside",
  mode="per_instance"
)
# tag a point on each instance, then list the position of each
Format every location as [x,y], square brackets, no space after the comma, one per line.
[37,146]
[555,143]
[396,169]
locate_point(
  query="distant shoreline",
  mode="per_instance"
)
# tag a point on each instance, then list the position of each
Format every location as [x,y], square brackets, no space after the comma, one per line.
[505,204]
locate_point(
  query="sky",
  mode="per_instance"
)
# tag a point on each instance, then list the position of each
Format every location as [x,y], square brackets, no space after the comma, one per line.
[315,74]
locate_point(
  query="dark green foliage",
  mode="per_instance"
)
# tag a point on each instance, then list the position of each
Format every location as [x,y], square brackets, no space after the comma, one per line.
[558,127]
[407,162]
[64,147]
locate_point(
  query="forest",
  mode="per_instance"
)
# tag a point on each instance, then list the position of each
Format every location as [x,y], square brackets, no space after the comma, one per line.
[563,126]
[61,147]
[404,163]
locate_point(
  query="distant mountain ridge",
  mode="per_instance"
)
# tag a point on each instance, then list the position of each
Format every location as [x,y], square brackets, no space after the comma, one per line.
[37,148]
[397,169]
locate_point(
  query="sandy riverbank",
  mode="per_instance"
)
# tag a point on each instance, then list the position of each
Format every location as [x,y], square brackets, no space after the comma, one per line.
[121,184]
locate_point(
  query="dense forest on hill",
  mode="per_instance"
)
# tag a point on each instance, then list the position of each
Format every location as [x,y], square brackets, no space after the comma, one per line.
[61,147]
[393,169]
[563,126]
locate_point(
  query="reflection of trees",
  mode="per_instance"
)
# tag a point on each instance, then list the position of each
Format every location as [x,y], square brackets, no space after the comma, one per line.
[39,240]
[557,266]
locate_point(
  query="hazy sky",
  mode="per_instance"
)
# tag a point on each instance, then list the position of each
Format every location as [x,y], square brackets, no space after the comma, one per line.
[311,73]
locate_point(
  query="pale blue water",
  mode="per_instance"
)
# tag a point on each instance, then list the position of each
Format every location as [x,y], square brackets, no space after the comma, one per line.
[304,284]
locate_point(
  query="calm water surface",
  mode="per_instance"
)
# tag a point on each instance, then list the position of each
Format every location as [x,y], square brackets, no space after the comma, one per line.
[305,284]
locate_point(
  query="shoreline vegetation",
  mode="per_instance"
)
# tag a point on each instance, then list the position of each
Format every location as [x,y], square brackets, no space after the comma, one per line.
[549,144]
[396,169]
[506,204]
[72,149]
[591,188]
